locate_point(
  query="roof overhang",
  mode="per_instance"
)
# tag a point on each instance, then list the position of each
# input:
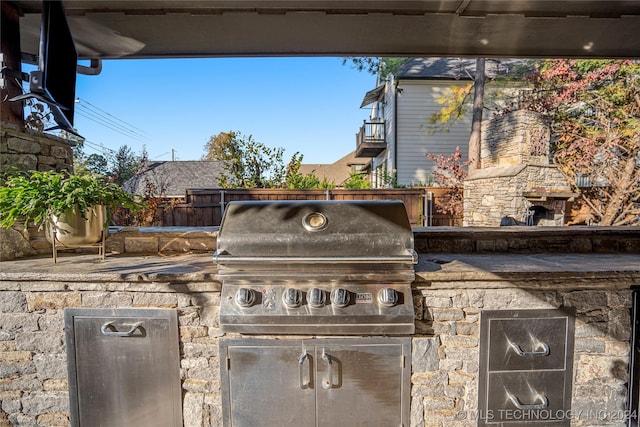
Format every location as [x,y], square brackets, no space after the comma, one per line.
[525,28]
[372,96]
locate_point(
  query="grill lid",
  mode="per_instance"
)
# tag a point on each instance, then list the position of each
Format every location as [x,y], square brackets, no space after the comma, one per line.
[315,231]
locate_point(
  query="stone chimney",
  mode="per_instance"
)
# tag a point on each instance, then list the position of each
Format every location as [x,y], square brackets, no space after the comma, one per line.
[516,184]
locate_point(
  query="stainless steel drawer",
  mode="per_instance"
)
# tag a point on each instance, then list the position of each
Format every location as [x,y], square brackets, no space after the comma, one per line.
[526,396]
[526,367]
[527,343]
[123,367]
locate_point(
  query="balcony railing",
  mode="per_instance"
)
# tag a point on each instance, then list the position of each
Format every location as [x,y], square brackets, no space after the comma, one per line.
[370,140]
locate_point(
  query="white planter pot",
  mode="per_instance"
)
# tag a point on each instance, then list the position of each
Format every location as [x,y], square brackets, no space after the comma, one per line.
[71,229]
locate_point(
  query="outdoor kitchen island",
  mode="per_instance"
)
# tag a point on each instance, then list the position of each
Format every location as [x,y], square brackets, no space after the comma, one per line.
[451,294]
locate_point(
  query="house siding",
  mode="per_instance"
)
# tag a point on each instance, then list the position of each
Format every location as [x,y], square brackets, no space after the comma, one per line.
[416,103]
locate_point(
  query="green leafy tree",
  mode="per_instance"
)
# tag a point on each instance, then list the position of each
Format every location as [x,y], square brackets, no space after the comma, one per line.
[125,164]
[594,109]
[248,163]
[357,181]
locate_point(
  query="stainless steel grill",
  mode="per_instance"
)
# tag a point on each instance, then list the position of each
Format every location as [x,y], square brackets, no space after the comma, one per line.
[316,268]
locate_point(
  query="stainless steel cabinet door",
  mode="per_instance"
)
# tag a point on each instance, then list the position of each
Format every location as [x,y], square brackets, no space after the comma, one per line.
[360,385]
[270,386]
[332,382]
[123,368]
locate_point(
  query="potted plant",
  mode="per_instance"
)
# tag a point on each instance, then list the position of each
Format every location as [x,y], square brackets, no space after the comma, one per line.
[76,208]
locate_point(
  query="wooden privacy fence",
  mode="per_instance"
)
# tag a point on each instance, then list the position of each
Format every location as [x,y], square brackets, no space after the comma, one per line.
[205,207]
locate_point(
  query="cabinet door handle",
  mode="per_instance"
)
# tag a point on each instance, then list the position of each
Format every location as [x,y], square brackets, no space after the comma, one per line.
[328,382]
[541,353]
[109,330]
[304,383]
[544,402]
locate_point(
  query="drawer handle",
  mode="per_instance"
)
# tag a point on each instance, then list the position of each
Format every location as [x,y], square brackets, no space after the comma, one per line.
[109,330]
[543,352]
[544,402]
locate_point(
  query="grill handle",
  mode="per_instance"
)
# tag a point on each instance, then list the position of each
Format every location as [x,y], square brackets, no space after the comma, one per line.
[544,402]
[109,330]
[304,383]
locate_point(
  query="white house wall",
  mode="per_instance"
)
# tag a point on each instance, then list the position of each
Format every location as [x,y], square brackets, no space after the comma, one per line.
[416,102]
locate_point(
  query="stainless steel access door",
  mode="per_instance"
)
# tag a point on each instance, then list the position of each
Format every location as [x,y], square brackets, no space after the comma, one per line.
[316,382]
[268,386]
[360,384]
[124,367]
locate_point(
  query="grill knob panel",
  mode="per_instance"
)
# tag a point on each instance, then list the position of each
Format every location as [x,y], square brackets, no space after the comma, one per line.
[316,297]
[340,297]
[292,297]
[388,297]
[245,297]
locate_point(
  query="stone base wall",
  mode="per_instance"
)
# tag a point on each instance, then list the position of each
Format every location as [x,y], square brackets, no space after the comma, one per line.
[33,376]
[33,151]
[445,355]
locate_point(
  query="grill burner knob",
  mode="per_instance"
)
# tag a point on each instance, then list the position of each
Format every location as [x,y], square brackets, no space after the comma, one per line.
[245,297]
[388,297]
[316,298]
[340,297]
[292,297]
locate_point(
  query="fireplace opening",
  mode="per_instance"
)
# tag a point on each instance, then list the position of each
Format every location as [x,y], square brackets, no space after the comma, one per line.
[540,215]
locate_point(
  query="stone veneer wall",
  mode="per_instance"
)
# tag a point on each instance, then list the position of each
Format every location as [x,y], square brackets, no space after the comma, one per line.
[520,137]
[514,157]
[31,151]
[445,348]
[445,356]
[491,194]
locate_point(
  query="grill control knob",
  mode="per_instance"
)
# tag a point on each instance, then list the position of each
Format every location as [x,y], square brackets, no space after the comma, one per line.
[316,297]
[388,297]
[245,297]
[340,297]
[292,297]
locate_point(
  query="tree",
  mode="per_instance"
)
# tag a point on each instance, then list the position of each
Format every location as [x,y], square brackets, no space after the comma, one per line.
[296,180]
[457,100]
[378,66]
[357,181]
[247,162]
[450,172]
[125,164]
[594,109]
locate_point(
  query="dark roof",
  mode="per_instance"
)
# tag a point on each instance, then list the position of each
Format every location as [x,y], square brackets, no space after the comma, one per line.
[171,179]
[457,68]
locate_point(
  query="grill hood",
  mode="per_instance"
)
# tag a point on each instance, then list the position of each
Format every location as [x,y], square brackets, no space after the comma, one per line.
[304,237]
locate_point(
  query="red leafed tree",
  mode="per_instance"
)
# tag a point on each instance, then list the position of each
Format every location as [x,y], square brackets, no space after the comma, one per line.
[450,172]
[594,107]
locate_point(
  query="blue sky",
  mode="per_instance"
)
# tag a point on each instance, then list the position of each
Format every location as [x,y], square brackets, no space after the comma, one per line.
[305,104]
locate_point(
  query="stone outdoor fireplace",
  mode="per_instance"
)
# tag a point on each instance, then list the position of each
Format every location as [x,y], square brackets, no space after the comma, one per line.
[516,184]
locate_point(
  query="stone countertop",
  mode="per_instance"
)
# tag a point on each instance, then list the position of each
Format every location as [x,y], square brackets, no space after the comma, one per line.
[437,270]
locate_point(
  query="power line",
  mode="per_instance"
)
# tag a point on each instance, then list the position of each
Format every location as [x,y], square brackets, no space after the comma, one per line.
[105,119]
[100,111]
[108,124]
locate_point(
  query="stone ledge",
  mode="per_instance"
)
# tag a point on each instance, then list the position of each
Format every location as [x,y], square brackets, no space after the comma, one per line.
[520,239]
